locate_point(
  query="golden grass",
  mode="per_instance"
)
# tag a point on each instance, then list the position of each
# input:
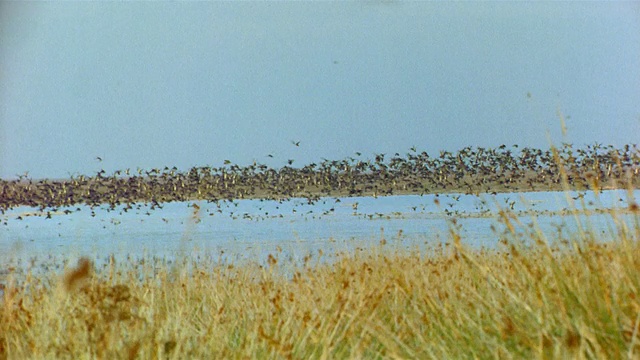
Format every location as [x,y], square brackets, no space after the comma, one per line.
[558,298]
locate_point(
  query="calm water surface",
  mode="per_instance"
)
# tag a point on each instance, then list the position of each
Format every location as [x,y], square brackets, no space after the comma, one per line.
[252,229]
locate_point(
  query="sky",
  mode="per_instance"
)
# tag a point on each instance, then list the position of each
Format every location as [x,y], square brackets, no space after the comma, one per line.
[148,85]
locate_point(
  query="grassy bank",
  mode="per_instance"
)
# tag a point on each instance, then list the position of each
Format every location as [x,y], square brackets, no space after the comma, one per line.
[554,298]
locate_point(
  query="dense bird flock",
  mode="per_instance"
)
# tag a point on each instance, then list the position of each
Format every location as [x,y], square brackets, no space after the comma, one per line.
[470,170]
[564,296]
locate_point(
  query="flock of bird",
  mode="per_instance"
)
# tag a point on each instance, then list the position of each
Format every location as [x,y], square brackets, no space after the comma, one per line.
[470,170]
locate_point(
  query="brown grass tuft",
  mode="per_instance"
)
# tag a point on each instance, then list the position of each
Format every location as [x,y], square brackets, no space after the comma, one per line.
[77,277]
[572,339]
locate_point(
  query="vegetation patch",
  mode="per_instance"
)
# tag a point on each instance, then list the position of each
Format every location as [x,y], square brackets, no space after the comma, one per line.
[543,298]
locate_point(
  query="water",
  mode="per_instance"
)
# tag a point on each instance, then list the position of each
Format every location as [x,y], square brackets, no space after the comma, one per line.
[253,229]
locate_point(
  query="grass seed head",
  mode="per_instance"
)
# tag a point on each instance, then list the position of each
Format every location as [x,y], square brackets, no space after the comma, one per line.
[75,278]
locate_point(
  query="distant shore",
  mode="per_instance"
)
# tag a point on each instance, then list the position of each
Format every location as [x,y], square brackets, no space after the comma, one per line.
[469,171]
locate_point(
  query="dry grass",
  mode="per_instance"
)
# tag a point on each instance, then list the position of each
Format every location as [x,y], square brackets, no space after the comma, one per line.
[575,297]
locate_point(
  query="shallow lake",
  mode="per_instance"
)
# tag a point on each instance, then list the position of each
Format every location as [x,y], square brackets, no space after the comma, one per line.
[253,229]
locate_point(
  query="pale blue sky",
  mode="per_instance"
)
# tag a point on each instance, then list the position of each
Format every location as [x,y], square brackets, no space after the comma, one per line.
[190,84]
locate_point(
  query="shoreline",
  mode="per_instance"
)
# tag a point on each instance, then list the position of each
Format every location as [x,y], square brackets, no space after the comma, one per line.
[101,196]
[469,171]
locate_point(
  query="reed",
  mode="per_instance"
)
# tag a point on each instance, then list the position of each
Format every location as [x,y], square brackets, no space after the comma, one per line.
[573,296]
